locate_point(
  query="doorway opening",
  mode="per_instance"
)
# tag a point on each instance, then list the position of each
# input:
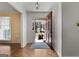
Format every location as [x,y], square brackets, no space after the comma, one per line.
[40,34]
[43,30]
[40,30]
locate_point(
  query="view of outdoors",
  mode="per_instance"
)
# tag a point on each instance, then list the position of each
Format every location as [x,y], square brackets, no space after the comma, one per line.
[40,30]
[5,33]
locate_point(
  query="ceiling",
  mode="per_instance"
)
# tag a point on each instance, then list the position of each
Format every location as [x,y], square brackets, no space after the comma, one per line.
[5,7]
[43,6]
[29,6]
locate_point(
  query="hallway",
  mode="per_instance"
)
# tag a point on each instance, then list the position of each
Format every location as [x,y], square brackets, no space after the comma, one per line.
[23,33]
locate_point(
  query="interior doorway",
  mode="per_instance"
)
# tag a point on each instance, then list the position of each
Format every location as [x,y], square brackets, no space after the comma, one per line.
[40,30]
[43,30]
[40,34]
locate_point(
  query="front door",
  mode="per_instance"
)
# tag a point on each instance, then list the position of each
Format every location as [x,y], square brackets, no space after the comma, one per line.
[49,29]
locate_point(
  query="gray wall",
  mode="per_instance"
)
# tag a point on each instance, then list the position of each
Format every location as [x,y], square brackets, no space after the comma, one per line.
[31,16]
[70,30]
[5,7]
[57,27]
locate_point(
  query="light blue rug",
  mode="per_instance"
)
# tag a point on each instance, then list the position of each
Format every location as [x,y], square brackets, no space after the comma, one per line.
[40,45]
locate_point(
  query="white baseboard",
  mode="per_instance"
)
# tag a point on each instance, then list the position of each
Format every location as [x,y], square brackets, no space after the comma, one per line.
[58,53]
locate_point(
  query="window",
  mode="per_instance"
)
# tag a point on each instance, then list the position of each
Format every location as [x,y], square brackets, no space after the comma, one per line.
[5,28]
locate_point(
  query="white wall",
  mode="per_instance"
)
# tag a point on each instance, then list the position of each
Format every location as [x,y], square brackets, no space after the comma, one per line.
[57,27]
[23,35]
[70,30]
[31,16]
[23,29]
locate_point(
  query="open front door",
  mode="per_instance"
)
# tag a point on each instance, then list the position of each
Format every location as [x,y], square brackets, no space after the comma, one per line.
[49,29]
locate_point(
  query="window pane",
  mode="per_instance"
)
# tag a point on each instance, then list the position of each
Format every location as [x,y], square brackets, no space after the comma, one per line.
[5,33]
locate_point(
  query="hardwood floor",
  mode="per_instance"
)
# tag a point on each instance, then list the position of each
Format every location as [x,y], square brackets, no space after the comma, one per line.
[14,50]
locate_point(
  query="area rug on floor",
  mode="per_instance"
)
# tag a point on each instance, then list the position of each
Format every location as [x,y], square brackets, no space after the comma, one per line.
[40,45]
